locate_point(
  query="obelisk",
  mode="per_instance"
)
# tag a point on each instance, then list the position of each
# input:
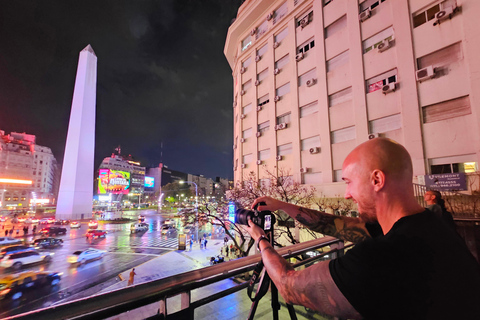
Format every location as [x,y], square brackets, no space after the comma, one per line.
[76,184]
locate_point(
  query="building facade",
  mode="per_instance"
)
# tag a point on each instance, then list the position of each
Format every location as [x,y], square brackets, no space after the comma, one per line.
[314,79]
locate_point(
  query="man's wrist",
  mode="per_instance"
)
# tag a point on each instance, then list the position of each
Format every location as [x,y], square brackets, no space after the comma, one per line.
[262,237]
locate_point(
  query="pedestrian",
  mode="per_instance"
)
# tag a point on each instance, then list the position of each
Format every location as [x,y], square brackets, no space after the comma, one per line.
[225,240]
[191,244]
[436,204]
[25,230]
[11,231]
[407,264]
[205,243]
[226,251]
[131,278]
[34,229]
[6,232]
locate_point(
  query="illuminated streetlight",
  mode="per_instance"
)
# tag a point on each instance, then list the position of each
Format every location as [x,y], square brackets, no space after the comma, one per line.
[196,203]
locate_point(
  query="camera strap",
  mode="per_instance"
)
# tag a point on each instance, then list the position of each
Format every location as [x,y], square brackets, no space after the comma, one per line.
[263,281]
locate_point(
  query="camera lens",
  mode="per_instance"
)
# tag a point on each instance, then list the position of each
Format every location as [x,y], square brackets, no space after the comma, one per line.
[241,216]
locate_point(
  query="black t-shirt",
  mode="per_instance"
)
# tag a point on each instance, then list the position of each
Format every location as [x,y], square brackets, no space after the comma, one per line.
[421,269]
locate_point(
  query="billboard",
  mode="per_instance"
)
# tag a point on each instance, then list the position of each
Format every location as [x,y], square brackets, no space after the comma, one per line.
[149,182]
[113,181]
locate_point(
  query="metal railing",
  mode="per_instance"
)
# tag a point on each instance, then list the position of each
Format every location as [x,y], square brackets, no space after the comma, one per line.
[159,291]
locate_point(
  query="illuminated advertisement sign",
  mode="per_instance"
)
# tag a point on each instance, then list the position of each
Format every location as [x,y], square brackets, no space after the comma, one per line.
[113,181]
[149,182]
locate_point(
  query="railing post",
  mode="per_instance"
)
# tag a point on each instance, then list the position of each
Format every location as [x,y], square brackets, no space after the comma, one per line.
[339,246]
[185,299]
[162,310]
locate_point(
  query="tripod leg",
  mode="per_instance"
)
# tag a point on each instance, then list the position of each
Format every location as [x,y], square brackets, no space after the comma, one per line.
[253,308]
[275,304]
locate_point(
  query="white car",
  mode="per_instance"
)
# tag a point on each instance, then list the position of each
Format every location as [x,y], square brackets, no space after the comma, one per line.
[75,224]
[4,241]
[138,227]
[18,259]
[81,257]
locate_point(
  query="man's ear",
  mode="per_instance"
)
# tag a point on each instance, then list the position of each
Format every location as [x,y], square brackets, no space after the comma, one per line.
[378,179]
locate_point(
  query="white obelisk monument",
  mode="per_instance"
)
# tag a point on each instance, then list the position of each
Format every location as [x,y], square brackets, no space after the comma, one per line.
[76,184]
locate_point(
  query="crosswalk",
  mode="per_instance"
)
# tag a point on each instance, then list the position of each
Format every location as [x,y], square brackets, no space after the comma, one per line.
[153,242]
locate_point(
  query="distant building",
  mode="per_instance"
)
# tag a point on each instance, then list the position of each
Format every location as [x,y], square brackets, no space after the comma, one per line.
[314,79]
[31,172]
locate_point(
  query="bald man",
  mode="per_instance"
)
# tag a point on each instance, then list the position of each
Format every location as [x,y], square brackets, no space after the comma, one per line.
[405,265]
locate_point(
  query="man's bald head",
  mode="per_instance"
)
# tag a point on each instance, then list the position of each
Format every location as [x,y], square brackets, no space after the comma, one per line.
[385,155]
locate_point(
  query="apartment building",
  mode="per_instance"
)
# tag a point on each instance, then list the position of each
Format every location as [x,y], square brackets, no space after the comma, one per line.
[313,79]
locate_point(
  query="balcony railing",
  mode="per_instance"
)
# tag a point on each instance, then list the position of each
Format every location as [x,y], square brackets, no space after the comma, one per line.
[179,290]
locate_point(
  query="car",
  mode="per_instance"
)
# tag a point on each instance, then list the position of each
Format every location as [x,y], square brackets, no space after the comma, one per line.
[82,256]
[188,229]
[92,234]
[93,224]
[74,224]
[138,227]
[50,220]
[19,259]
[43,243]
[61,222]
[43,221]
[3,219]
[14,286]
[9,241]
[21,219]
[53,231]
[141,218]
[168,229]
[14,249]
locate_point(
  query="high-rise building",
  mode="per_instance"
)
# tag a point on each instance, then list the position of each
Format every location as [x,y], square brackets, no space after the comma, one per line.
[314,79]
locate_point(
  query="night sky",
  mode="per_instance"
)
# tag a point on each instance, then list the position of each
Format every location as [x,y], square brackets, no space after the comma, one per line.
[162,77]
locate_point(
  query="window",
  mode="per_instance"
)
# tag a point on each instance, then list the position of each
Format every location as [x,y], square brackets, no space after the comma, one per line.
[246,42]
[337,61]
[375,40]
[336,26]
[261,29]
[455,164]
[262,75]
[377,83]
[446,110]
[281,62]
[386,124]
[247,108]
[264,154]
[284,149]
[308,143]
[280,12]
[307,45]
[429,14]
[264,183]
[342,135]
[247,62]
[279,37]
[340,97]
[247,85]
[263,100]
[372,4]
[309,109]
[262,50]
[264,126]
[247,133]
[308,16]
[247,158]
[283,90]
[442,57]
[284,118]
[312,178]
[325,2]
[309,75]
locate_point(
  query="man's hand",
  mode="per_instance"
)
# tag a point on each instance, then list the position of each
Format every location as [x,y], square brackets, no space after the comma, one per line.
[254,230]
[270,204]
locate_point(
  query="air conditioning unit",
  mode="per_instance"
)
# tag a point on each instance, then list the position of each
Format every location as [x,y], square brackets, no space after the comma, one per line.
[373,136]
[258,134]
[243,69]
[254,30]
[257,58]
[314,150]
[365,15]
[276,99]
[425,73]
[304,22]
[445,13]
[257,82]
[279,158]
[270,16]
[276,45]
[259,108]
[281,126]
[242,140]
[242,92]
[389,88]
[311,82]
[384,45]
[259,162]
[243,166]
[304,170]
[299,56]
[243,116]
[276,71]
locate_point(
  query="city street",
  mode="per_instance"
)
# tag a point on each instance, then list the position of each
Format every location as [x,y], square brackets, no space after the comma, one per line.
[124,250]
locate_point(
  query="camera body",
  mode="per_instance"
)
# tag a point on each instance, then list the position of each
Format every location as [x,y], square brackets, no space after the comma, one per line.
[263,219]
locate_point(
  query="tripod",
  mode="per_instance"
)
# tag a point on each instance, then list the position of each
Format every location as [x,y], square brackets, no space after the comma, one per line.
[263,282]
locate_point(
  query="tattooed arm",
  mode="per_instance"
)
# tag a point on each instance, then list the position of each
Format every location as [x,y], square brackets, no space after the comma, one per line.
[344,228]
[312,287]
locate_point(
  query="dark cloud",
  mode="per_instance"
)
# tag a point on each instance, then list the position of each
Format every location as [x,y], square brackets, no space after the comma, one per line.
[162,77]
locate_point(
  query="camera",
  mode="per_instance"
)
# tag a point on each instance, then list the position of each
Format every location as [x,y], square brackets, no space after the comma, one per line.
[263,219]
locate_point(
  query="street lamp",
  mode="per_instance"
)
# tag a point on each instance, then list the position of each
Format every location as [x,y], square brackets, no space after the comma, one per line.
[196,203]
